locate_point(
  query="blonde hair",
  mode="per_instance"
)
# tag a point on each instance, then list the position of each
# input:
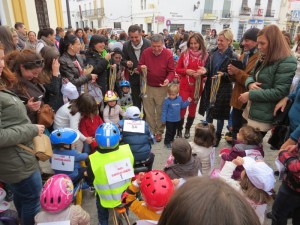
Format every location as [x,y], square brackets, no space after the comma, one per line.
[227,33]
[251,135]
[173,89]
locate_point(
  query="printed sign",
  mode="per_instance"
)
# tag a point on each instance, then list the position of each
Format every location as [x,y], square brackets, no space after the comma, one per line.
[119,171]
[62,162]
[137,126]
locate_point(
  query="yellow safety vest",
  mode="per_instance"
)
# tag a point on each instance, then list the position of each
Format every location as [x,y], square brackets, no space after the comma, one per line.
[110,195]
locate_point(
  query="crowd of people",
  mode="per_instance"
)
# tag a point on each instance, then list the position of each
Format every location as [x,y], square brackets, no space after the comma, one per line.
[114,97]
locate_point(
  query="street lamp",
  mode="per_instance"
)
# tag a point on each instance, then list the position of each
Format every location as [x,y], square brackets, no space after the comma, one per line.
[196,6]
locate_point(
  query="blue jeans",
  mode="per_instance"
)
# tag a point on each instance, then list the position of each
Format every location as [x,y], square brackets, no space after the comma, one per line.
[286,204]
[27,197]
[103,213]
[86,148]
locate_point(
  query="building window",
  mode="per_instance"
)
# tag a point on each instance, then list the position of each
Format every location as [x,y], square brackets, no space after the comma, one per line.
[208,6]
[145,5]
[92,24]
[77,25]
[142,5]
[149,27]
[141,26]
[117,25]
[42,13]
[226,9]
[204,28]
[99,23]
[226,26]
[174,27]
[241,30]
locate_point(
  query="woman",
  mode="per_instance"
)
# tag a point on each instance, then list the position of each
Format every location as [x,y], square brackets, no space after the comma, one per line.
[6,39]
[191,83]
[51,78]
[98,57]
[213,41]
[270,80]
[219,59]
[32,41]
[15,37]
[183,44]
[82,38]
[71,63]
[69,115]
[27,65]
[46,37]
[18,167]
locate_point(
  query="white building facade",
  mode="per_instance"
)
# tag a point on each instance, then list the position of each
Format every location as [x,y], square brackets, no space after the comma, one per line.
[155,15]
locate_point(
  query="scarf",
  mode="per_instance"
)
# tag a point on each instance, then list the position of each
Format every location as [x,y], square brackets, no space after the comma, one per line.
[193,55]
[137,49]
[247,55]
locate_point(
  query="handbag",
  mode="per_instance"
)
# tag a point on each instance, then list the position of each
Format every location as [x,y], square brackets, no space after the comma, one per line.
[42,148]
[282,118]
[280,134]
[45,115]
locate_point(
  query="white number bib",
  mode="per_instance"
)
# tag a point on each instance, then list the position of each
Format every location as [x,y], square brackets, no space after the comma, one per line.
[63,162]
[119,171]
[137,126]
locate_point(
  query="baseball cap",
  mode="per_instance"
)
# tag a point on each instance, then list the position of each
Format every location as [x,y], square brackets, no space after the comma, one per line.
[3,204]
[260,174]
[133,112]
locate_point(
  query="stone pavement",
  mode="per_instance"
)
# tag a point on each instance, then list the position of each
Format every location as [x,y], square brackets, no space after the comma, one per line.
[161,155]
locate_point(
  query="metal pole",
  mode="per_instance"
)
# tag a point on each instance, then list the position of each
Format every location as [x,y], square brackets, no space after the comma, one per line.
[68,13]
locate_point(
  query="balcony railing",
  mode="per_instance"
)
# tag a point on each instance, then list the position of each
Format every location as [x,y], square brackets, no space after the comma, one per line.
[217,14]
[99,12]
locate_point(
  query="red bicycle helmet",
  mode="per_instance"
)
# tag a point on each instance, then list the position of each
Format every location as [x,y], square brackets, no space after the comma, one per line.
[157,189]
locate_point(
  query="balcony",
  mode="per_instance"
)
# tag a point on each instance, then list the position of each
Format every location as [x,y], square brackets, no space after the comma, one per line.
[99,12]
[245,11]
[217,14]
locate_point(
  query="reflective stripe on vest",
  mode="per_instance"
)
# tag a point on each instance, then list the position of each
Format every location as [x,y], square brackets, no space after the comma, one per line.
[110,195]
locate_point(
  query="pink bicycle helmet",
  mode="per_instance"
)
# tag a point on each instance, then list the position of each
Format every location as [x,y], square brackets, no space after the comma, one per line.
[157,189]
[57,193]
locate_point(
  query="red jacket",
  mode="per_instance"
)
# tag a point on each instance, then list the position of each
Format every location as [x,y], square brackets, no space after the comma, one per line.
[292,164]
[89,126]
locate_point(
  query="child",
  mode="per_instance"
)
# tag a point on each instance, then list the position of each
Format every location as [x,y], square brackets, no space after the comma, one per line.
[185,164]
[140,143]
[156,188]
[5,212]
[171,113]
[202,145]
[109,155]
[62,140]
[249,143]
[89,122]
[56,199]
[112,110]
[256,184]
[126,99]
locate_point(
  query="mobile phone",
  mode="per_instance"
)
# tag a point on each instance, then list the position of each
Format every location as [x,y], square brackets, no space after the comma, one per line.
[38,98]
[236,63]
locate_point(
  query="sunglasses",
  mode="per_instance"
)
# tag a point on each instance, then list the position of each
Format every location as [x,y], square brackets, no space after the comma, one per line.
[36,63]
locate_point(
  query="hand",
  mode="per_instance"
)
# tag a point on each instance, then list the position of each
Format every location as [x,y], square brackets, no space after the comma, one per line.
[254,86]
[287,143]
[280,105]
[32,105]
[55,67]
[189,99]
[293,149]
[136,71]
[41,129]
[143,67]
[166,82]
[202,70]
[190,72]
[89,140]
[94,77]
[139,178]
[129,64]
[175,182]
[232,70]
[108,56]
[239,161]
[244,97]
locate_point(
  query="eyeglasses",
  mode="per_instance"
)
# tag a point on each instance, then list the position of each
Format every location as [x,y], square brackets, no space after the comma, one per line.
[36,63]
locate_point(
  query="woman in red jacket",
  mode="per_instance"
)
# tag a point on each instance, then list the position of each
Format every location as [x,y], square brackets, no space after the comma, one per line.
[189,67]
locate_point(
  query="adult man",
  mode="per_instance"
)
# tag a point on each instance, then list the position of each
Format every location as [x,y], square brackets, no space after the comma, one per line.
[239,76]
[207,37]
[21,31]
[132,50]
[160,72]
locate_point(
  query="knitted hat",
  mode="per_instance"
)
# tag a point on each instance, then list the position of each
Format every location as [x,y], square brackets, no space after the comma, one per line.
[181,150]
[260,174]
[3,204]
[251,34]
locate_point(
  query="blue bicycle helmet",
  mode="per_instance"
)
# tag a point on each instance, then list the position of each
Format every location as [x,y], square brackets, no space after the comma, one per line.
[124,83]
[107,136]
[64,136]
